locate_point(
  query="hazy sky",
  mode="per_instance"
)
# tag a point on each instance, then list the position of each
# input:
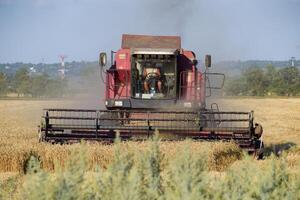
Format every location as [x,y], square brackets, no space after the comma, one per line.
[40,30]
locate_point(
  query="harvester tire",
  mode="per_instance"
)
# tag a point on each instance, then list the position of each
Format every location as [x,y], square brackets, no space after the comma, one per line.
[42,136]
[259,152]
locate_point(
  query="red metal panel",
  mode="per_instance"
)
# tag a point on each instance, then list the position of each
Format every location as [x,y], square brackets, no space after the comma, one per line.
[192,82]
[110,83]
[118,84]
[190,93]
[123,84]
[191,56]
[186,64]
[122,74]
[147,41]
[123,59]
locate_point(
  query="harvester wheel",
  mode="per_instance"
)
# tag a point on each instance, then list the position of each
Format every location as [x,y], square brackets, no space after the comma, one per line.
[259,149]
[42,137]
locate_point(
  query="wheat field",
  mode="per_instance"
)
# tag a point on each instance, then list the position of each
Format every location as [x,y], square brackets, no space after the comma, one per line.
[280,117]
[19,120]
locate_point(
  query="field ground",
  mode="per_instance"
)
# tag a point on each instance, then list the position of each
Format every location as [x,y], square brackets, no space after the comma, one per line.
[186,169]
[280,117]
[19,120]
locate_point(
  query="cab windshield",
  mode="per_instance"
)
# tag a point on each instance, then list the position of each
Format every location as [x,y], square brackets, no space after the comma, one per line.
[153,76]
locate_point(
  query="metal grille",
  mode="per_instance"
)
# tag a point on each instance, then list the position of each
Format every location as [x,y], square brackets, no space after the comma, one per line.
[74,119]
[77,124]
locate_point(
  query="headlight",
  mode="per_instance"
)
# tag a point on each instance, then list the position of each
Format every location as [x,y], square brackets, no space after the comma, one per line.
[118,103]
[187,104]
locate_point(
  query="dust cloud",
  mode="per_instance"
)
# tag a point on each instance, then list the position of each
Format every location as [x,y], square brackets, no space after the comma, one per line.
[170,16]
[87,90]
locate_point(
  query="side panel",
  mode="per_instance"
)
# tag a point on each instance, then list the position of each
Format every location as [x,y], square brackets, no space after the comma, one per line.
[186,71]
[192,84]
[123,59]
[117,84]
[118,77]
[190,90]
[122,80]
[110,83]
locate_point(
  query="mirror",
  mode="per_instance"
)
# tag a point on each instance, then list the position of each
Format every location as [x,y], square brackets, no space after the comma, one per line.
[195,62]
[102,59]
[208,61]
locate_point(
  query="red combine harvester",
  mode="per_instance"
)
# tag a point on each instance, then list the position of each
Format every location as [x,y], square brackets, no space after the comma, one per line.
[154,84]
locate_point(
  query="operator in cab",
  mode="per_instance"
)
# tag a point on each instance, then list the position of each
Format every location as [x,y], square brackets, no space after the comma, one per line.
[152,78]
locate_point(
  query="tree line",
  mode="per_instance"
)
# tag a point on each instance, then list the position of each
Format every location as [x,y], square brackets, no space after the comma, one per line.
[255,81]
[26,85]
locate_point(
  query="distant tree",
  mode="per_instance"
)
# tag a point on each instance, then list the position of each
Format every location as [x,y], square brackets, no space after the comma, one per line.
[255,81]
[56,88]
[3,84]
[44,86]
[288,81]
[88,70]
[236,87]
[271,76]
[22,82]
[258,82]
[38,85]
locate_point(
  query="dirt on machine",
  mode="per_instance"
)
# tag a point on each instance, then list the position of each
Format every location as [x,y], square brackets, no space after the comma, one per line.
[153,84]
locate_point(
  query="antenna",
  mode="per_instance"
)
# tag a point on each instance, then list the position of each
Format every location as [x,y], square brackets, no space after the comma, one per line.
[62,70]
[293,61]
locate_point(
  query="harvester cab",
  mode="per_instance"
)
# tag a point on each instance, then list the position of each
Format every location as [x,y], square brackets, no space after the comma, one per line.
[154,72]
[154,84]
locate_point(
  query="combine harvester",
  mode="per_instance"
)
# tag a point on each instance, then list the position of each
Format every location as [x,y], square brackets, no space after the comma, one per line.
[154,84]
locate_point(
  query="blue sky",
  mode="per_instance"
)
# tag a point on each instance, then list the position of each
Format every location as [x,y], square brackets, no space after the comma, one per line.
[40,30]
